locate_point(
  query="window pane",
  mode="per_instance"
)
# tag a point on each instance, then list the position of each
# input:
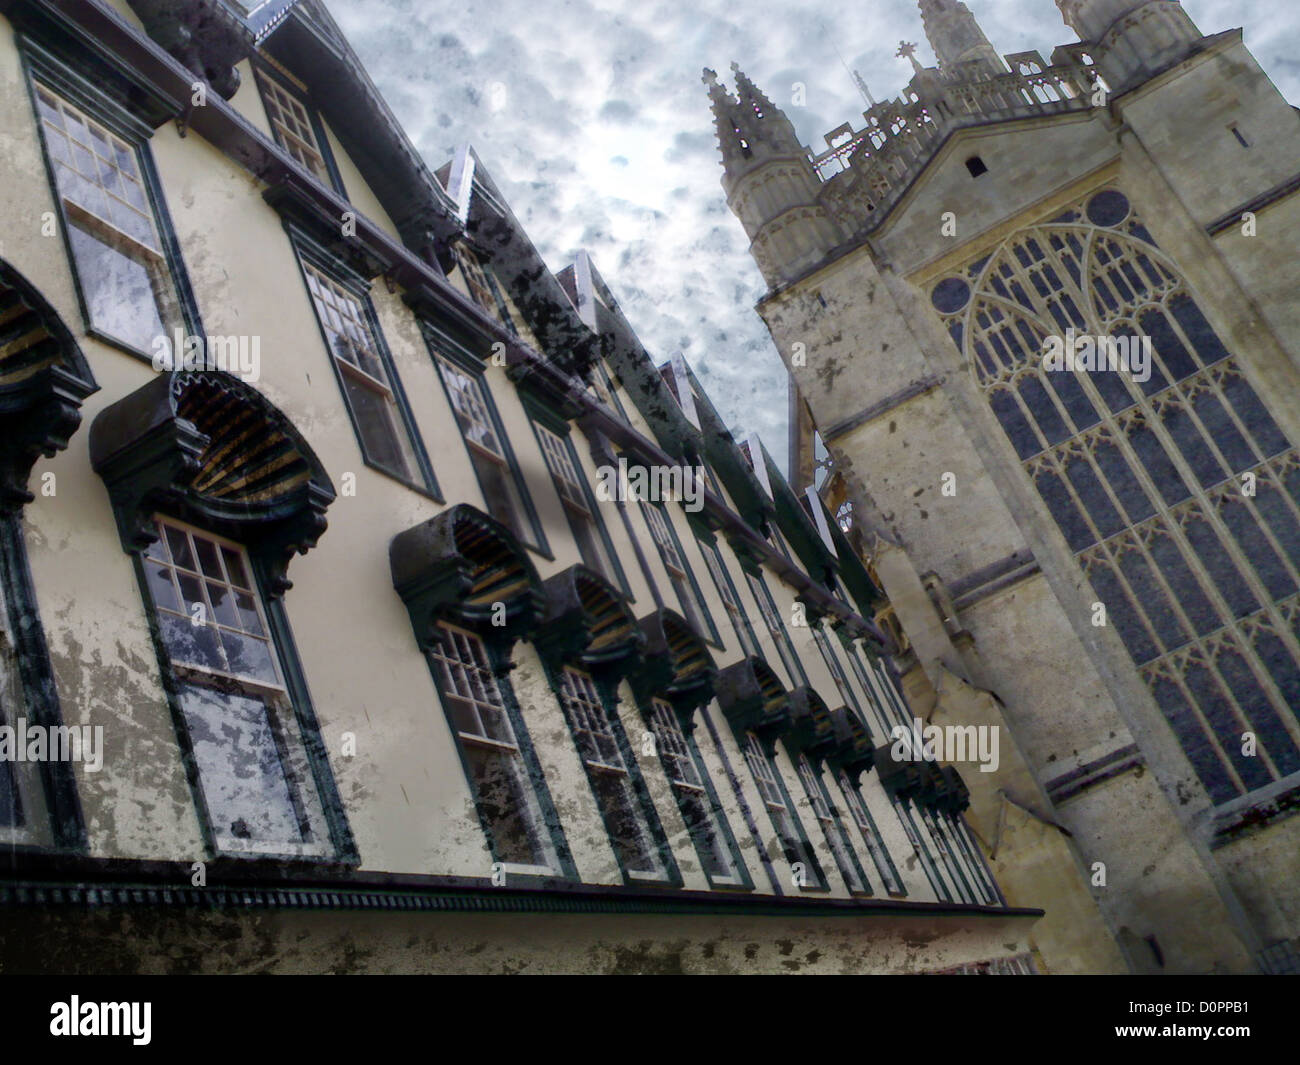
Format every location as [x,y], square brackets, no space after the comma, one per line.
[161,587]
[383,441]
[190,644]
[508,806]
[119,291]
[626,823]
[508,802]
[248,656]
[243,779]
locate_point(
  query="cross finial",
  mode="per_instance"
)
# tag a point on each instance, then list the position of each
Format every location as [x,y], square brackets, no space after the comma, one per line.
[907,50]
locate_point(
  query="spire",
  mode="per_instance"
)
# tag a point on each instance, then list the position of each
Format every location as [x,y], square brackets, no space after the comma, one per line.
[769,179]
[858,81]
[749,125]
[955,36]
[862,88]
[750,94]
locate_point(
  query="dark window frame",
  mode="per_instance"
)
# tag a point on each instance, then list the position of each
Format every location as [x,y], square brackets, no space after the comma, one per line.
[532,535]
[607,689]
[262,68]
[309,253]
[711,634]
[541,418]
[746,640]
[918,842]
[801,848]
[847,784]
[343,846]
[817,768]
[687,730]
[501,307]
[499,657]
[106,104]
[780,637]
[63,828]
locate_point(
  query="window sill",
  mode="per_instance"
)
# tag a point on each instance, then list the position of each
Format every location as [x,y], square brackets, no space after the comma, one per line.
[737,889]
[418,489]
[326,858]
[121,345]
[540,552]
[653,882]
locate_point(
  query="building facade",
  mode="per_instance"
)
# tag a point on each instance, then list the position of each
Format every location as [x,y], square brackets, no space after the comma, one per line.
[1039,317]
[373,600]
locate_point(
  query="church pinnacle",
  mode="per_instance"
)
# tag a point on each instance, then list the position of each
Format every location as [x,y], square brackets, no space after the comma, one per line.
[955,35]
[748,124]
[1134,38]
[768,179]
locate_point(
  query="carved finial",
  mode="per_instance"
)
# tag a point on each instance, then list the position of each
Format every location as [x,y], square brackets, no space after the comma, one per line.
[907,50]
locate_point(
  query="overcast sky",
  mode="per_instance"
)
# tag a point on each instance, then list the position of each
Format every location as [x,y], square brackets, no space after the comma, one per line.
[591,117]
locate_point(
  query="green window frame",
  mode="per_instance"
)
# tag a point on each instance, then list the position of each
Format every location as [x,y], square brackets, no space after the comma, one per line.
[595,547]
[484,288]
[702,813]
[387,436]
[883,687]
[505,492]
[952,862]
[921,847]
[631,821]
[781,811]
[728,596]
[602,386]
[961,832]
[296,124]
[776,626]
[113,216]
[828,816]
[680,574]
[511,798]
[875,843]
[879,711]
[39,808]
[229,663]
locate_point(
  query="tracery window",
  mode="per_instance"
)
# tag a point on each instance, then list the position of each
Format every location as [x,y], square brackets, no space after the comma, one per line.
[1176,490]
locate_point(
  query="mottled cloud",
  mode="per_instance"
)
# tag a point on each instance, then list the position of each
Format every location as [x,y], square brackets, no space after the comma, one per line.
[592,119]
